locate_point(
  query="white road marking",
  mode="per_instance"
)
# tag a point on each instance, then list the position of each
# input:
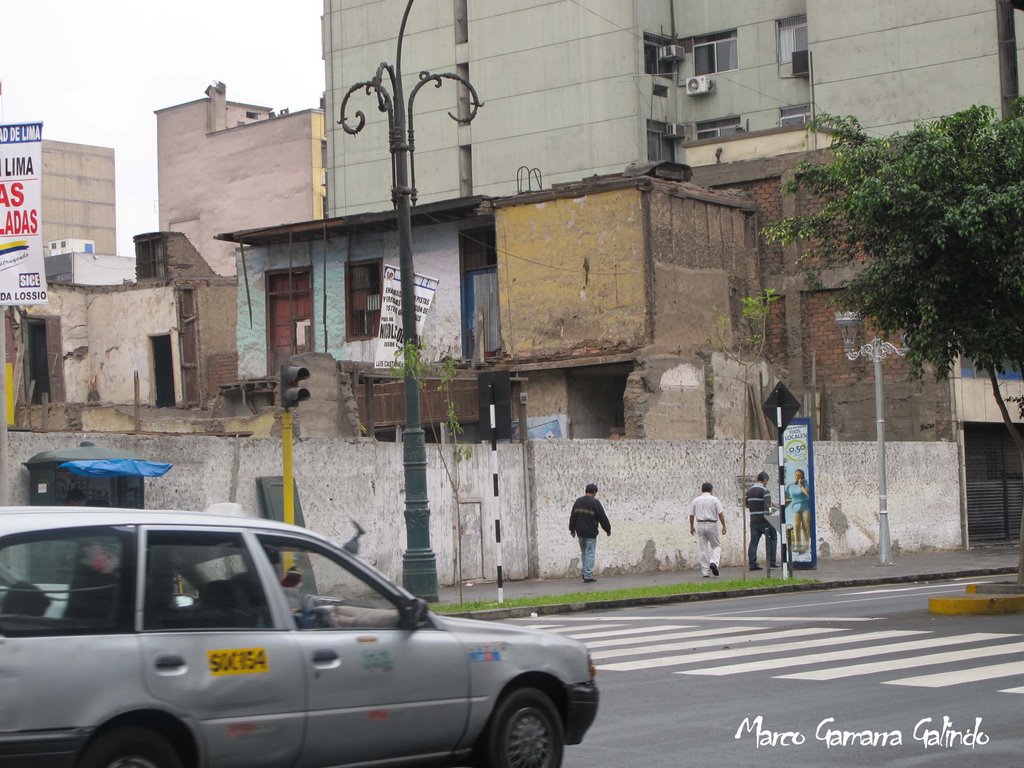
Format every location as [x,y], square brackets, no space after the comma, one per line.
[709,631]
[561,628]
[622,632]
[958,676]
[852,653]
[896,665]
[725,653]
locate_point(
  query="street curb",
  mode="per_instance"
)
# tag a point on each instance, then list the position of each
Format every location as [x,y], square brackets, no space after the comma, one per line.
[976,604]
[520,612]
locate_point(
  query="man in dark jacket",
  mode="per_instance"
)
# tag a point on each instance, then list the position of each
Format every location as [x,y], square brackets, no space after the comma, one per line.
[587,514]
[759,503]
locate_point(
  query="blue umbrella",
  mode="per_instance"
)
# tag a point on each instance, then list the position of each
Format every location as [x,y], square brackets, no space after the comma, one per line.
[115,468]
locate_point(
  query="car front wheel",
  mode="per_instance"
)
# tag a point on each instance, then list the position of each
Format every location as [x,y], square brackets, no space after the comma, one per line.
[525,731]
[130,748]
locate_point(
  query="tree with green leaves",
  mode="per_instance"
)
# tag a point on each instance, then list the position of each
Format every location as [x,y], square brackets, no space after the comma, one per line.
[932,221]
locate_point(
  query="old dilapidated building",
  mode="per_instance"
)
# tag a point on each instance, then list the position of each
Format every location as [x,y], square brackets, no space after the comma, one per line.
[609,290]
[129,357]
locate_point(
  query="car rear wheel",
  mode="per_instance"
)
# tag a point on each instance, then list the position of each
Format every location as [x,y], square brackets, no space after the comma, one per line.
[130,748]
[525,731]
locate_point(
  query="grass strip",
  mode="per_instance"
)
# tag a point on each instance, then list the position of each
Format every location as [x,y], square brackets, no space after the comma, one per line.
[596,596]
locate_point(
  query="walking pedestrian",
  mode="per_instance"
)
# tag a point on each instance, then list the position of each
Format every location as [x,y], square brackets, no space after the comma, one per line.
[759,503]
[587,514]
[706,512]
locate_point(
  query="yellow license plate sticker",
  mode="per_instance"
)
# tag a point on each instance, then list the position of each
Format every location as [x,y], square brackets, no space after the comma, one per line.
[237,661]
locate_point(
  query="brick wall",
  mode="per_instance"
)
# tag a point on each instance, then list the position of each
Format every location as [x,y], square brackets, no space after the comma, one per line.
[221,368]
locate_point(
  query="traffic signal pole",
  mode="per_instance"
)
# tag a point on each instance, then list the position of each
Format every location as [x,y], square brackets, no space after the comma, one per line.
[288,487]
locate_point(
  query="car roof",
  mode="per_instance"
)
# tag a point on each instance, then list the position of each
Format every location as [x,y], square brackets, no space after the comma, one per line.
[21,519]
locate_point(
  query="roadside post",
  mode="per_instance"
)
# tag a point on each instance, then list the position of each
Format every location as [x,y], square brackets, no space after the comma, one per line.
[780,406]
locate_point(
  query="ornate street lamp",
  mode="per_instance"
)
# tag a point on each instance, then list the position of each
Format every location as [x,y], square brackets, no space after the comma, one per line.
[877,350]
[419,565]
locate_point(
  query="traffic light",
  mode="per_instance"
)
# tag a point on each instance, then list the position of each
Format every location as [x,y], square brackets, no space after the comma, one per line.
[291,393]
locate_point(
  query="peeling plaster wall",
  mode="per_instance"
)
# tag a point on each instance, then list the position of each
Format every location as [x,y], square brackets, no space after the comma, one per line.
[574,275]
[646,487]
[436,254]
[666,398]
[119,324]
[72,306]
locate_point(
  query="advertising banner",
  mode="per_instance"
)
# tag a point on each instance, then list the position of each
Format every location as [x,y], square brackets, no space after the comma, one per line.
[22,270]
[390,337]
[798,462]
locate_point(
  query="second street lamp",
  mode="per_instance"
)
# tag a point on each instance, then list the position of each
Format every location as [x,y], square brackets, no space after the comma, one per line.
[876,350]
[419,565]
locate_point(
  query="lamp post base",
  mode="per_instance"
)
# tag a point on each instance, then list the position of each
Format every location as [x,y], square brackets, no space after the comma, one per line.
[419,573]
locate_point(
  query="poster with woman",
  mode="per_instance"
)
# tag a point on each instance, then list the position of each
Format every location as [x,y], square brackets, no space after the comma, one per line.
[798,463]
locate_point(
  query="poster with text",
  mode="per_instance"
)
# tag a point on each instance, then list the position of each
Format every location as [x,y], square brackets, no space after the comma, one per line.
[22,270]
[390,336]
[798,462]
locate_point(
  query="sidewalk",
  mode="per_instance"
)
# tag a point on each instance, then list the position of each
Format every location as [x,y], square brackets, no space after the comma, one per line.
[927,566]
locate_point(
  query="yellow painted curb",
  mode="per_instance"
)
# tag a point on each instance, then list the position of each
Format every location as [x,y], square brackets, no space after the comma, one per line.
[976,604]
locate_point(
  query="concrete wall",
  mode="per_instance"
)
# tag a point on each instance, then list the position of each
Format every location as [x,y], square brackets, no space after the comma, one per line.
[78,194]
[258,173]
[646,487]
[563,87]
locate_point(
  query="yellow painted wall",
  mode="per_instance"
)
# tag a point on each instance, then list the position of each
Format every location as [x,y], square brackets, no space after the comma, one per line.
[572,275]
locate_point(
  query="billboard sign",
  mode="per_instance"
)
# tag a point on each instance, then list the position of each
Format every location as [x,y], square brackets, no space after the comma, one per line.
[390,336]
[22,269]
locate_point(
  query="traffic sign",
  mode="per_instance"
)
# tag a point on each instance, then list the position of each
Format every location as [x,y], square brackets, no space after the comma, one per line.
[780,397]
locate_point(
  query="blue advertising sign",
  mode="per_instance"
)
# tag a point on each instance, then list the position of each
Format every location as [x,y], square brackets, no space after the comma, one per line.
[798,463]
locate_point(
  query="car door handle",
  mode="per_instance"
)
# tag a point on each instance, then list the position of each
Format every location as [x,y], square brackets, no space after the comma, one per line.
[325,658]
[169,662]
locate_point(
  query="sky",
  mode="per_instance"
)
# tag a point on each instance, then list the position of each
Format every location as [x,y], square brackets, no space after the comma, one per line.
[95,73]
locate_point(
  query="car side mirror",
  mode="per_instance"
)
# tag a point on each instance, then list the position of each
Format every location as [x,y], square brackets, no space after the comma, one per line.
[414,612]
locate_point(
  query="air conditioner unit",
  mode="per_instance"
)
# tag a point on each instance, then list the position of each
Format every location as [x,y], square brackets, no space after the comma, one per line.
[684,131]
[801,64]
[699,85]
[671,52]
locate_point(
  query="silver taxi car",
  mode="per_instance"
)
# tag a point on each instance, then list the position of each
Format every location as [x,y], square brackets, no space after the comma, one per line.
[143,639]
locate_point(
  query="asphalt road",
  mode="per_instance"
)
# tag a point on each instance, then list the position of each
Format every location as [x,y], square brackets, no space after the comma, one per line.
[851,677]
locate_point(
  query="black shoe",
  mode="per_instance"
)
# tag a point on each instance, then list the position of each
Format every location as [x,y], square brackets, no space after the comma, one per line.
[756,567]
[714,569]
[774,565]
[589,581]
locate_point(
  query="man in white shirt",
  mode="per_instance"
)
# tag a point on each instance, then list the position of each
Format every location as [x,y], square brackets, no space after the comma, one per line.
[706,512]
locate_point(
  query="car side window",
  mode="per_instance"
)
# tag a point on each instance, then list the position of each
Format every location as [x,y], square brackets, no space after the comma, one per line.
[324,594]
[201,580]
[68,581]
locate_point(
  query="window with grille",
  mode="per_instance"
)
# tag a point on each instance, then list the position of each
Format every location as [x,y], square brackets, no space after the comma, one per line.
[710,129]
[150,258]
[715,53]
[652,64]
[362,297]
[792,37]
[798,115]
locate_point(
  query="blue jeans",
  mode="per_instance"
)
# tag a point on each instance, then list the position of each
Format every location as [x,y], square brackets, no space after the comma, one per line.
[757,530]
[588,549]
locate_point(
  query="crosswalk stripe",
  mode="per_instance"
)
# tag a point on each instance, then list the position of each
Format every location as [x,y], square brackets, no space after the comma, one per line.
[709,631]
[560,628]
[900,664]
[626,632]
[726,653]
[958,676]
[852,653]
[1013,690]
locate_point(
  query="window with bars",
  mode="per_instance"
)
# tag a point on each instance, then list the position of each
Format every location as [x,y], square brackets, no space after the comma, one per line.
[362,299]
[798,115]
[715,53]
[726,126]
[652,64]
[792,35]
[150,258]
